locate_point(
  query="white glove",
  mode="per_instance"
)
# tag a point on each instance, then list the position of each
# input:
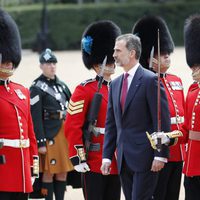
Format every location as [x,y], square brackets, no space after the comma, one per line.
[83,167]
[32,180]
[160,135]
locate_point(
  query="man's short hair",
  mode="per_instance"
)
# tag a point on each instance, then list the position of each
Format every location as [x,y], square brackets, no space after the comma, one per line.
[132,43]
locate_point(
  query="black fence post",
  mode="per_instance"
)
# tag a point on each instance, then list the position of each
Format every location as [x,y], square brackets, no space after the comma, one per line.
[43,39]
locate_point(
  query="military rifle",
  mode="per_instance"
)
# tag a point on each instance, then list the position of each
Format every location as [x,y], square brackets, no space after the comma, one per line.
[94,111]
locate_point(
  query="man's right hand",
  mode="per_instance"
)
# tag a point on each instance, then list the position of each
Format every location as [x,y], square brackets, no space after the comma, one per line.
[83,167]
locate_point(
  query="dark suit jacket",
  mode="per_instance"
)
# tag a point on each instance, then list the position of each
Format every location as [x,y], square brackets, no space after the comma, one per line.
[126,131]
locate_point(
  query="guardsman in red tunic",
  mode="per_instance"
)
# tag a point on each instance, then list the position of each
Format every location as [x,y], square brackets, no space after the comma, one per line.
[168,185]
[16,128]
[97,43]
[191,126]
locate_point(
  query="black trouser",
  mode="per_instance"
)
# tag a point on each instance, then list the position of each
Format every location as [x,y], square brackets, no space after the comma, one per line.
[192,187]
[99,187]
[13,196]
[169,180]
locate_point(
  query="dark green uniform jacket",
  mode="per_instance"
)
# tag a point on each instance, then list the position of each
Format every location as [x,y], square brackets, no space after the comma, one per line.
[49,99]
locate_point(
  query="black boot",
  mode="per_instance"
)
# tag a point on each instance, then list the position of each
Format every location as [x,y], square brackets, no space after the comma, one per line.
[47,191]
[59,189]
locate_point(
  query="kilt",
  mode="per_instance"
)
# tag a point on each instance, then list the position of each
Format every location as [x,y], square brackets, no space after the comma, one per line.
[56,160]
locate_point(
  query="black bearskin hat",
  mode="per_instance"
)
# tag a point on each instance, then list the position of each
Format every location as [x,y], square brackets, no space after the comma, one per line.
[10,41]
[147,29]
[98,41]
[192,40]
[47,57]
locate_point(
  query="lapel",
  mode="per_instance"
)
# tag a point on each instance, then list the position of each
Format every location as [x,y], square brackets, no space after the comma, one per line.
[135,84]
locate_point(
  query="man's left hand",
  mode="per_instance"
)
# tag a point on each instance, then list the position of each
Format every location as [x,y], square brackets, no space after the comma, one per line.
[157,165]
[105,168]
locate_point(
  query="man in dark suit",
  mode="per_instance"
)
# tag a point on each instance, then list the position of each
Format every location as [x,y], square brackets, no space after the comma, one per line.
[128,122]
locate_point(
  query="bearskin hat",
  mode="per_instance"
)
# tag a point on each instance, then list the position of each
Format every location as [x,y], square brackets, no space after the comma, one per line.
[47,57]
[10,41]
[147,29]
[98,41]
[192,40]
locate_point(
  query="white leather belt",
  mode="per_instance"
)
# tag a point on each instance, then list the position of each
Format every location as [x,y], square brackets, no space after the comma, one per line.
[177,120]
[99,130]
[194,135]
[16,143]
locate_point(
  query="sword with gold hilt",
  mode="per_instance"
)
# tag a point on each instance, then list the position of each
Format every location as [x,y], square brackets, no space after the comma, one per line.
[159,144]
[170,135]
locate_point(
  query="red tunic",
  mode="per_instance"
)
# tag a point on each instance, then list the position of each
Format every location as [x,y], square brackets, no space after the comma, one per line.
[192,122]
[76,117]
[16,123]
[174,91]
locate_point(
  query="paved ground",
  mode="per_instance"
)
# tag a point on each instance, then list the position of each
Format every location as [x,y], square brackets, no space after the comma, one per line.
[71,70]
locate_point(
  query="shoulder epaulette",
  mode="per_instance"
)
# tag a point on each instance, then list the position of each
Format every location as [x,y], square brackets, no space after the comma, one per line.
[33,83]
[194,86]
[17,84]
[169,74]
[84,83]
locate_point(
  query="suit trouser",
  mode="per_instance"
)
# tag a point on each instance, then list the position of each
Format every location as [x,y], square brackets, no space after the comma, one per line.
[168,186]
[99,187]
[13,196]
[137,185]
[192,187]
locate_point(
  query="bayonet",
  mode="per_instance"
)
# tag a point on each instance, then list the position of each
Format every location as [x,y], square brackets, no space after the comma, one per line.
[151,58]
[103,65]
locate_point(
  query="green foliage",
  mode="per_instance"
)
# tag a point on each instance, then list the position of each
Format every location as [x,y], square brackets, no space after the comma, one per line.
[66,22]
